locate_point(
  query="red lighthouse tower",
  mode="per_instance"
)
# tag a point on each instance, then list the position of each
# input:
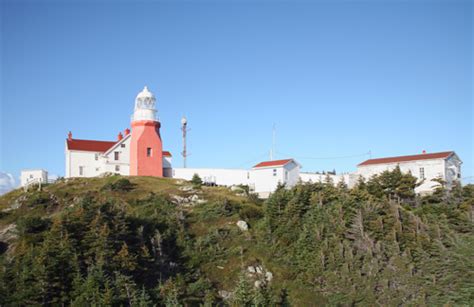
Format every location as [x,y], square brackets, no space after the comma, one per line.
[146,148]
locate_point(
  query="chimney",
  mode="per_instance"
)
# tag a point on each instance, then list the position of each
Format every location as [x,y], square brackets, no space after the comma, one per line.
[69,136]
[127,132]
[424,151]
[120,136]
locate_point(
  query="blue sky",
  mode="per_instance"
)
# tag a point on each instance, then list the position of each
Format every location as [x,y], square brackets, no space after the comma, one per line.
[337,78]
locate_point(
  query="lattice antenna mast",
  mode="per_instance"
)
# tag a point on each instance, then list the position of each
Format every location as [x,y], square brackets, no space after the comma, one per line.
[184,129]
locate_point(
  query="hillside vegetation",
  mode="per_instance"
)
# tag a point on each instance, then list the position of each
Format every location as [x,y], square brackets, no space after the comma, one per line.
[142,241]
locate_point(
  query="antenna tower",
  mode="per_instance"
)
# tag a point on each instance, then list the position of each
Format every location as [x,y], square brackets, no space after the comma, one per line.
[184,129]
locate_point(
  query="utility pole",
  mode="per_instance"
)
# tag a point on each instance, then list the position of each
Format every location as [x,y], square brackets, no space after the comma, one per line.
[184,129]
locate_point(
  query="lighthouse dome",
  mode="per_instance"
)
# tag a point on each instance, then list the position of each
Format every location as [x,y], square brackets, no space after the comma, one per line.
[145,106]
[145,99]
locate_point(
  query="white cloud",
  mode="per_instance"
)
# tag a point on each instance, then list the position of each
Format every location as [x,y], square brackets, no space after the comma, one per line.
[7,183]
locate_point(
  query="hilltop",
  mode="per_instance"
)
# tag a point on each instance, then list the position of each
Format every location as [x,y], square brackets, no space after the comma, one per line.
[144,241]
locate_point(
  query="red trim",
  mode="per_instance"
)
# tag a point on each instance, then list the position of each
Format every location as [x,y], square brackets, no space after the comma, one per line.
[425,156]
[273,163]
[145,123]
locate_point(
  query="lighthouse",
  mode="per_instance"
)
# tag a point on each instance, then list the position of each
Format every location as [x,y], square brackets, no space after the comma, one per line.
[146,148]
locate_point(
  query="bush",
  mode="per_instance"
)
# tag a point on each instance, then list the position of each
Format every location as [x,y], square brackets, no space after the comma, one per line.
[196,180]
[253,197]
[123,184]
[38,198]
[250,212]
[33,224]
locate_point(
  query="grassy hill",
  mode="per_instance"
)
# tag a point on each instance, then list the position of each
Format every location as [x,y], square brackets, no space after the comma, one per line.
[145,241]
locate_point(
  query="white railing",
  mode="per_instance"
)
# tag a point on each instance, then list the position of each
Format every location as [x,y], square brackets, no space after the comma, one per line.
[31,182]
[37,181]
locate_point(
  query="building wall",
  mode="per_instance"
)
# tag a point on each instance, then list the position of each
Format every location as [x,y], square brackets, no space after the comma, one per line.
[109,164]
[87,159]
[106,162]
[167,167]
[293,170]
[260,180]
[219,176]
[33,175]
[266,179]
[146,134]
[434,168]
[167,162]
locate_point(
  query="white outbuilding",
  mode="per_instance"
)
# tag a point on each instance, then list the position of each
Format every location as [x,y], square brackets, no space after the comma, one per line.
[33,176]
[265,176]
[425,167]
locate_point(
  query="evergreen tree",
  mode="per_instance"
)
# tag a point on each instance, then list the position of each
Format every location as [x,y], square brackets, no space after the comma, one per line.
[196,180]
[243,292]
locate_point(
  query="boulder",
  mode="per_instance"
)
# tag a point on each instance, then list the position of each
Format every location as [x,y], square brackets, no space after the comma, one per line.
[243,225]
[225,294]
[8,233]
[268,276]
[186,188]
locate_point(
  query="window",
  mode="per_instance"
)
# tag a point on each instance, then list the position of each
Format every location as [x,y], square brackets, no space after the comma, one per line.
[248,175]
[117,168]
[274,172]
[31,176]
[286,175]
[122,145]
[96,156]
[148,152]
[81,170]
[422,173]
[116,155]
[96,169]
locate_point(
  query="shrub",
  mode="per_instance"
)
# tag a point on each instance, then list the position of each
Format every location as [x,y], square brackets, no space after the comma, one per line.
[196,180]
[123,184]
[38,198]
[33,224]
[250,212]
[253,197]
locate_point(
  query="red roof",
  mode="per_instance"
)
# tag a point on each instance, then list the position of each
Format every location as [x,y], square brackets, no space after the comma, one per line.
[166,154]
[273,163]
[89,145]
[425,156]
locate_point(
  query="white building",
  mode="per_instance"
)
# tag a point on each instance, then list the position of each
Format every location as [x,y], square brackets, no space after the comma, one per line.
[30,176]
[425,167]
[266,176]
[263,178]
[139,152]
[90,158]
